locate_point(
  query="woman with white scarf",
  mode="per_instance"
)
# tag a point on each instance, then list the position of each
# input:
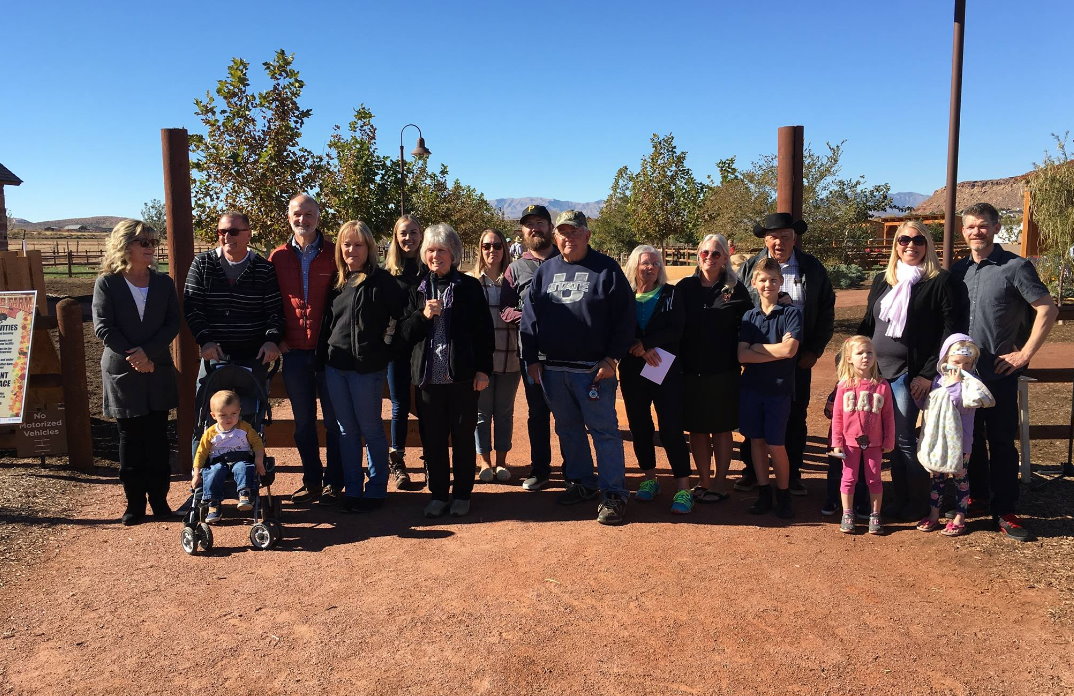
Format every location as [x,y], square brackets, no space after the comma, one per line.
[912,306]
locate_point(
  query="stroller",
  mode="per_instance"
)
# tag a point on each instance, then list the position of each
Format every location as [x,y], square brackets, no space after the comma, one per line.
[254,408]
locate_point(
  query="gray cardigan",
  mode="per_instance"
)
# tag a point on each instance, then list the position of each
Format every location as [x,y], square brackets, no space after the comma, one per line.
[127,392]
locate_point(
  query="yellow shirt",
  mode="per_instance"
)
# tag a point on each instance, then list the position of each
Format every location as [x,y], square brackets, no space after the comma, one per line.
[211,442]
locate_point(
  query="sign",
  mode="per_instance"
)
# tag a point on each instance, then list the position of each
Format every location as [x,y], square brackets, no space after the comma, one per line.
[43,432]
[16,327]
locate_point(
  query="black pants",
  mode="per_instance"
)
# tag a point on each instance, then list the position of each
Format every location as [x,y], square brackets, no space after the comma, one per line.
[795,440]
[993,467]
[447,416]
[639,394]
[538,426]
[143,460]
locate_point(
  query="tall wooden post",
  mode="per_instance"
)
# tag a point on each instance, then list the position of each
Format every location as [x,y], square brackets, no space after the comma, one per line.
[75,391]
[175,147]
[789,167]
[1030,243]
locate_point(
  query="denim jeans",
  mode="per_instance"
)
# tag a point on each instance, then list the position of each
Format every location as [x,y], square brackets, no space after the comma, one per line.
[575,412]
[304,386]
[357,398]
[399,393]
[910,483]
[538,426]
[214,477]
[496,413]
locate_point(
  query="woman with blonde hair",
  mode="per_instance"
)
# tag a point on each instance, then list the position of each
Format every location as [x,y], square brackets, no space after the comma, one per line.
[402,262]
[136,315]
[496,404]
[352,348]
[912,306]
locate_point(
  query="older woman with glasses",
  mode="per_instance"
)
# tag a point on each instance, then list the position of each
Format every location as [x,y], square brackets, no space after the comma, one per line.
[136,315]
[714,301]
[910,310]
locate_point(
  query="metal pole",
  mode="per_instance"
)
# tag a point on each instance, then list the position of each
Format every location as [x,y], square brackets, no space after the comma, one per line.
[952,134]
[402,173]
[175,148]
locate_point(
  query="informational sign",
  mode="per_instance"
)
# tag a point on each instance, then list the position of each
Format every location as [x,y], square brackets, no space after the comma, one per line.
[43,432]
[16,329]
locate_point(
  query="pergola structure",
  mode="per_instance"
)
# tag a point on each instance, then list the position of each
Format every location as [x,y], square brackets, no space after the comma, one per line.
[7,178]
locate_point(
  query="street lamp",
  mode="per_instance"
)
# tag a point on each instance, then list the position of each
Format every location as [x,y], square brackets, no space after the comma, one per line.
[419,151]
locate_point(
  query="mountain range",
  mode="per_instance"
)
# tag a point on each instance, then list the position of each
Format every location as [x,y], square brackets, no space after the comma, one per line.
[512,207]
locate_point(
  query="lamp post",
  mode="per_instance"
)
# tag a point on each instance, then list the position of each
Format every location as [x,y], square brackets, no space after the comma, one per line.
[419,151]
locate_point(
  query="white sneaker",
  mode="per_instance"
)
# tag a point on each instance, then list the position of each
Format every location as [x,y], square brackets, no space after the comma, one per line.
[534,484]
[503,474]
[460,508]
[487,475]
[436,508]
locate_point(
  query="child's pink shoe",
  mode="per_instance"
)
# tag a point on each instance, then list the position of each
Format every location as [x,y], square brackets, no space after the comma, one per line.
[953,529]
[928,525]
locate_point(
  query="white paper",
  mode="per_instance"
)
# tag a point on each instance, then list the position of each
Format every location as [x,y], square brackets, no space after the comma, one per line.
[657,374]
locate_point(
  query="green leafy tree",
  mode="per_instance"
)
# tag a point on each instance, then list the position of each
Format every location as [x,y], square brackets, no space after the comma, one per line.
[433,198]
[356,182]
[153,214]
[612,231]
[733,205]
[1051,188]
[250,157]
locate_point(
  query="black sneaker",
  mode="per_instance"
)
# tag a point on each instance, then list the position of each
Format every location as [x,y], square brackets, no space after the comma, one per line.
[783,504]
[535,483]
[330,495]
[746,483]
[397,470]
[1012,527]
[798,488]
[360,505]
[306,494]
[576,493]
[612,510]
[763,503]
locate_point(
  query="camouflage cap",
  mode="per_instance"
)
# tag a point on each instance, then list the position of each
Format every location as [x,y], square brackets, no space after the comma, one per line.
[574,218]
[538,210]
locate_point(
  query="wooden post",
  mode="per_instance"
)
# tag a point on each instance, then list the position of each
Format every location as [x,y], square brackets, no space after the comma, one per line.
[179,210]
[789,167]
[1030,242]
[70,263]
[75,392]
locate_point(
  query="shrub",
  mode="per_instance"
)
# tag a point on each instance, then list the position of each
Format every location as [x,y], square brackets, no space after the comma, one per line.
[845,276]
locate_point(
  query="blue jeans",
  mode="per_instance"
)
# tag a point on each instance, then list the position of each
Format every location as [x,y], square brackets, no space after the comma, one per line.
[575,412]
[357,399]
[214,477]
[538,426]
[496,412]
[399,392]
[910,483]
[304,386]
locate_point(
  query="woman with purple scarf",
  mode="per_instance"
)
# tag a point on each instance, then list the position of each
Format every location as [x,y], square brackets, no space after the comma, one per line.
[911,308]
[449,327]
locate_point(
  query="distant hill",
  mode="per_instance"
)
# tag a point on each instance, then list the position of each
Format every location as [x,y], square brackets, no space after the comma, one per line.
[900,202]
[103,223]
[513,207]
[1004,194]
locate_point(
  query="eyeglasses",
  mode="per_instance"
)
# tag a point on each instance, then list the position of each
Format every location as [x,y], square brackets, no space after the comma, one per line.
[233,231]
[714,253]
[916,240]
[488,246]
[146,242]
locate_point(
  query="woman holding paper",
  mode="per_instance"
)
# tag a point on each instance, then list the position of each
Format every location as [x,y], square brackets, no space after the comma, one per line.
[714,301]
[652,376]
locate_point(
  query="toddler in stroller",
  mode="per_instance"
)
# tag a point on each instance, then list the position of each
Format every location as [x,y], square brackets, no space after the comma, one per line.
[229,445]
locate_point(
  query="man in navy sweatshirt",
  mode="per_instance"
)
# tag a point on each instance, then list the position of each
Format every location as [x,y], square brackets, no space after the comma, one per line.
[576,326]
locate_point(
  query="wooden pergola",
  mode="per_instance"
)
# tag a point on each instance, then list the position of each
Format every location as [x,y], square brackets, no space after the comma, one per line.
[7,178]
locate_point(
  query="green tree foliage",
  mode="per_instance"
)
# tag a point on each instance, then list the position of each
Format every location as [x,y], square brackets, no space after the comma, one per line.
[434,199]
[153,214]
[249,157]
[1051,188]
[357,183]
[613,230]
[732,207]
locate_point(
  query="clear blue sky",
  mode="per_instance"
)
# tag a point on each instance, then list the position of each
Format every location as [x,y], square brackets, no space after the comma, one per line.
[537,99]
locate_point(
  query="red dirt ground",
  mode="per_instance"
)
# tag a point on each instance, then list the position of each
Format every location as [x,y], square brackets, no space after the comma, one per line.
[528,597]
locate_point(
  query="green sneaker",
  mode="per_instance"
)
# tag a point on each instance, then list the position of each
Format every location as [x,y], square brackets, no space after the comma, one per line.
[682,503]
[648,490]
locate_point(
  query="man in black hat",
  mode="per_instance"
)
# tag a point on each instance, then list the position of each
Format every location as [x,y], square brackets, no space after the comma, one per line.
[806,283]
[537,234]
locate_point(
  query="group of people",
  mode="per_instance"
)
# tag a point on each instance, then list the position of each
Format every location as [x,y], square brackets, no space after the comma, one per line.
[719,350]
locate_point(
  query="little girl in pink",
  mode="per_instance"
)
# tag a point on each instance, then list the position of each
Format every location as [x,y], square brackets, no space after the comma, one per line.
[863,427]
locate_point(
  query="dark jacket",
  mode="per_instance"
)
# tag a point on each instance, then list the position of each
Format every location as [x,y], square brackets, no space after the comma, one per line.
[356,318]
[302,316]
[515,288]
[664,330]
[818,313]
[240,317]
[471,341]
[931,317]
[713,316]
[127,392]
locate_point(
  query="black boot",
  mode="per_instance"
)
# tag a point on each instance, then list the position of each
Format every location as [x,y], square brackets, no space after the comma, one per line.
[135,511]
[157,485]
[763,503]
[783,504]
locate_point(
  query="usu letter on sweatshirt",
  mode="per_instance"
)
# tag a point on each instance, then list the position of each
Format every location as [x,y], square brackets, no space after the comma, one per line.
[863,409]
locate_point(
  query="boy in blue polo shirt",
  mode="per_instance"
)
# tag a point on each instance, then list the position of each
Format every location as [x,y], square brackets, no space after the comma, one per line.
[768,343]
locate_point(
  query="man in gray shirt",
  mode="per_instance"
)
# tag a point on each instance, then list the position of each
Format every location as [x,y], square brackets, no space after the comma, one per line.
[1010,315]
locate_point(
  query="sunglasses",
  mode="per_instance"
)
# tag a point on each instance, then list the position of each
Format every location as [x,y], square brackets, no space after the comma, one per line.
[146,242]
[487,246]
[705,253]
[233,231]
[917,240]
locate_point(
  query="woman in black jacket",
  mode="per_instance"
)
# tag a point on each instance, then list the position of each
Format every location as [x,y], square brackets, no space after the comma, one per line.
[714,301]
[449,327]
[660,320]
[910,310]
[358,311]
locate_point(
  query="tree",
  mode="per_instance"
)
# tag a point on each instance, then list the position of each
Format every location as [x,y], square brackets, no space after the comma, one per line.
[153,214]
[612,230]
[1051,190]
[249,158]
[463,207]
[356,182]
[731,207]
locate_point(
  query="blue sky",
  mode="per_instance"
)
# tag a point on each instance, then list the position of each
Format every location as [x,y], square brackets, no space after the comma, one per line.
[537,99]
